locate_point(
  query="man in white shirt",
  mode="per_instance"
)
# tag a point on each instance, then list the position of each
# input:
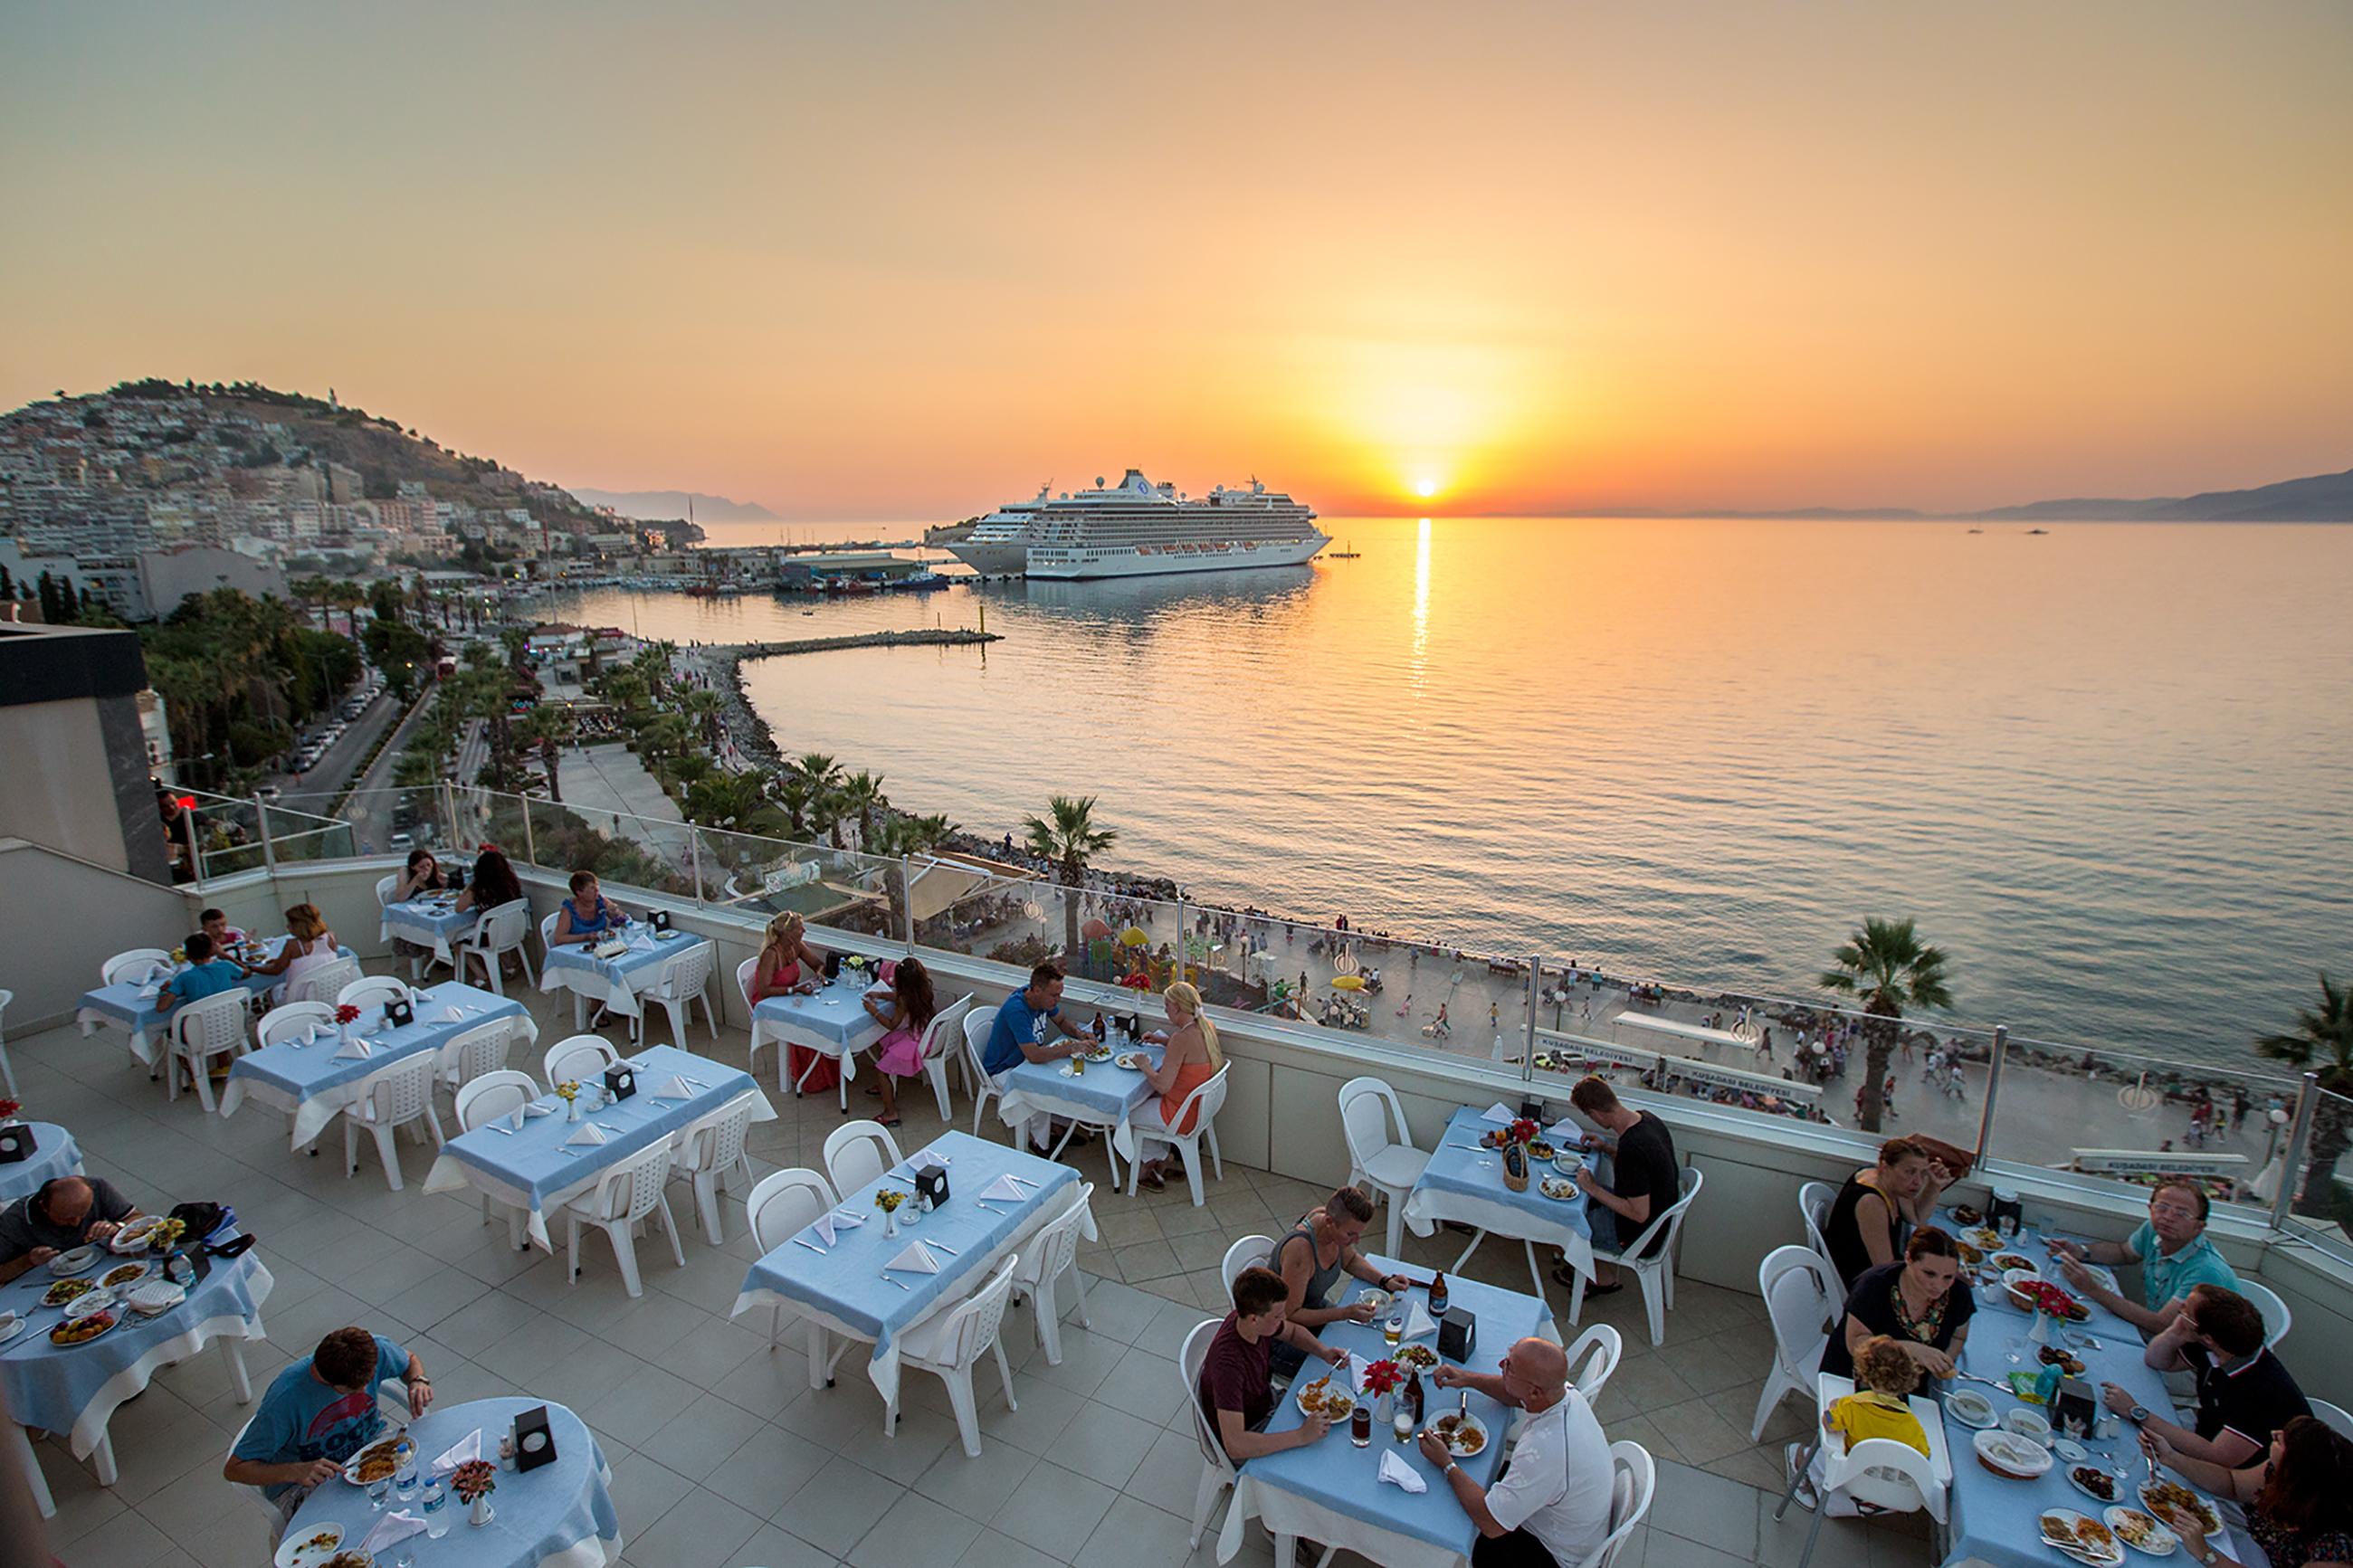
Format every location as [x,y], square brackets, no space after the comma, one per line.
[1550,1506]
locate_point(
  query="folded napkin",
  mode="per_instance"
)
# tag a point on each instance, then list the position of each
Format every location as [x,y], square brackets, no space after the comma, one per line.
[463,1451]
[916,1259]
[310,1035]
[1417,1321]
[159,973]
[391,1527]
[1498,1114]
[846,1220]
[1397,1473]
[149,992]
[356,1051]
[1564,1133]
[824,1228]
[586,1137]
[676,1089]
[1004,1187]
[534,1109]
[514,1120]
[452,1014]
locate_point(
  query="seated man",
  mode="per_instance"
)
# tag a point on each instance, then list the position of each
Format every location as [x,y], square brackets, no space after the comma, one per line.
[2174,1253]
[225,936]
[206,975]
[1018,1035]
[1551,1505]
[65,1213]
[1316,1258]
[2244,1395]
[1237,1383]
[318,1413]
[1644,1179]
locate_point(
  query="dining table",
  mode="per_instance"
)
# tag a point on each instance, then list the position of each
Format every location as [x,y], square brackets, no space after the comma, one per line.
[849,1284]
[831,1023]
[1101,1093]
[535,1168]
[1463,1184]
[315,1080]
[55,1153]
[1330,1491]
[130,1004]
[616,980]
[431,921]
[556,1515]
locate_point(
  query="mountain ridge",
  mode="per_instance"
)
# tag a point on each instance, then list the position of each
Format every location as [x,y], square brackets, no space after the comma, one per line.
[661,506]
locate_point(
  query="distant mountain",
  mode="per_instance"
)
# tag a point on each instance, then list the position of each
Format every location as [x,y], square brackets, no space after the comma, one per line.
[2326,498]
[660,505]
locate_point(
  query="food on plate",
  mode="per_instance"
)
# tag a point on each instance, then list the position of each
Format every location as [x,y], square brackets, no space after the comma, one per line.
[1559,1188]
[1964,1215]
[1971,1256]
[350,1559]
[73,1261]
[133,1235]
[1462,1437]
[2095,1538]
[2167,1499]
[1313,1399]
[65,1290]
[1969,1407]
[81,1330]
[1420,1357]
[2052,1355]
[1985,1237]
[1539,1150]
[166,1232]
[375,1462]
[321,1541]
[2057,1529]
[2006,1261]
[2031,1294]
[2099,1483]
[124,1274]
[2008,1454]
[2140,1531]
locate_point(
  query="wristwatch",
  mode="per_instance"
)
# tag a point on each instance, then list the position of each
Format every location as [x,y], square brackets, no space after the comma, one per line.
[1451,1468]
[2138,1414]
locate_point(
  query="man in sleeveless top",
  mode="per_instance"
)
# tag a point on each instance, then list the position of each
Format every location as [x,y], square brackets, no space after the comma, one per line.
[1312,1284]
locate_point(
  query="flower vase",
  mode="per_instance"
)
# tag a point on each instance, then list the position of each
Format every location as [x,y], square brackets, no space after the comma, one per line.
[889,1222]
[482,1513]
[573,1110]
[342,1035]
[1384,1410]
[2040,1334]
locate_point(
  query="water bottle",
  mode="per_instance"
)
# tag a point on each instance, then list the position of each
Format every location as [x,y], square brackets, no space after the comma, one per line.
[404,1481]
[436,1509]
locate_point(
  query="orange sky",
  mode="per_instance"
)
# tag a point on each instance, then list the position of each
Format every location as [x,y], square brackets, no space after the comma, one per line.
[909,262]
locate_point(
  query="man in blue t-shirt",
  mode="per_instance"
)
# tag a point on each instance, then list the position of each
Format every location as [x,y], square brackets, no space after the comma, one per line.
[2175,1254]
[1019,1035]
[205,976]
[318,1413]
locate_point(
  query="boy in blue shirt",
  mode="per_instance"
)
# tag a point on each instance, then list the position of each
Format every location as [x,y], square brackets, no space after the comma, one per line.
[205,976]
[318,1413]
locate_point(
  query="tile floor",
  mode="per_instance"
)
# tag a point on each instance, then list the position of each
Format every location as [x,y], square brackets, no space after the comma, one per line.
[722,1456]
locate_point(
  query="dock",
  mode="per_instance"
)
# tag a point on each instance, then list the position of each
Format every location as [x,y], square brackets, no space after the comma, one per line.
[919,636]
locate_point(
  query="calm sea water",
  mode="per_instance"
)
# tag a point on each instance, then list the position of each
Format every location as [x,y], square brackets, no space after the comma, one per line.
[2109,769]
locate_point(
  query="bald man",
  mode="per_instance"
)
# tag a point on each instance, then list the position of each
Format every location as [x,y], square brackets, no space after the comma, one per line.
[65,1211]
[1550,1506]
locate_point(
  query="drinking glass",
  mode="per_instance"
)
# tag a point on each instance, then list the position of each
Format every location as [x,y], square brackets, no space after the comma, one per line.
[1393,1329]
[378,1489]
[1360,1425]
[2007,1226]
[1402,1422]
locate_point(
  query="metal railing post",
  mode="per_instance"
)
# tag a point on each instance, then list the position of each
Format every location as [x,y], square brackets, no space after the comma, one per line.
[1993,1092]
[449,814]
[1184,946]
[188,831]
[530,849]
[1535,991]
[2307,1100]
[694,859]
[907,901]
[261,826]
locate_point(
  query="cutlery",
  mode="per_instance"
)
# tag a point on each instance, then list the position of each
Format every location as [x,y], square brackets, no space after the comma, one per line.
[496,1128]
[812,1245]
[886,1275]
[896,1176]
[609,1127]
[940,1246]
[991,1207]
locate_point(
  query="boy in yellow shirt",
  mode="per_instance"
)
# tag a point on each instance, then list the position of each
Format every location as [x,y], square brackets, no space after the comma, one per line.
[1878,1408]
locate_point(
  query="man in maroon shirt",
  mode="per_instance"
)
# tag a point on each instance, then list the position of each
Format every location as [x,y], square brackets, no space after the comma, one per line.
[1237,1386]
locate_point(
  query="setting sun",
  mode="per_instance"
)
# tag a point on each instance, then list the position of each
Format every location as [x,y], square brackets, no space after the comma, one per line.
[1425,489]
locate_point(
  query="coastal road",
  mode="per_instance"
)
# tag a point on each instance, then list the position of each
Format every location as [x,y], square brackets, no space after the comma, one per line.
[333,769]
[370,809]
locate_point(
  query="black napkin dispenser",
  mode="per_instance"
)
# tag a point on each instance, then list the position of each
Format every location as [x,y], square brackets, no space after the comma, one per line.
[932,1182]
[1532,1110]
[16,1142]
[620,1081]
[534,1441]
[399,1012]
[1458,1332]
[2003,1204]
[660,919]
[832,966]
[2074,1405]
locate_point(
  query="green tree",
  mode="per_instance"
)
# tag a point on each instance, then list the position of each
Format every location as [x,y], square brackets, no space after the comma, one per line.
[388,600]
[862,796]
[2322,1044]
[900,837]
[400,650]
[1067,836]
[1888,968]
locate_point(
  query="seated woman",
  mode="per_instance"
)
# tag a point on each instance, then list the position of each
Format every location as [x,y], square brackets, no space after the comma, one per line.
[495,882]
[308,945]
[1922,1303]
[2299,1499]
[1876,1209]
[904,1011]
[587,915]
[423,876]
[788,964]
[1191,1060]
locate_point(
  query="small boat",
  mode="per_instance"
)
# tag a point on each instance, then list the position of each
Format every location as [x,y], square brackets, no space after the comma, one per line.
[1350,553]
[2035,531]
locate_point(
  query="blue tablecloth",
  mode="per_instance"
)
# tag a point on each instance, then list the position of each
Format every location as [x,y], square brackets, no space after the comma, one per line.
[533,1168]
[541,1513]
[55,1153]
[74,1388]
[847,1283]
[123,1002]
[1464,1184]
[428,923]
[837,1014]
[616,980]
[1104,1092]
[1993,1519]
[1337,1476]
[315,1083]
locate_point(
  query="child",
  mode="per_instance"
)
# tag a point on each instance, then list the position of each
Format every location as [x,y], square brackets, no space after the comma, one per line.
[206,975]
[1883,1375]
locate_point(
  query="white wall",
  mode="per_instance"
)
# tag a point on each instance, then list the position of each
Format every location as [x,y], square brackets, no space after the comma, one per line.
[62,917]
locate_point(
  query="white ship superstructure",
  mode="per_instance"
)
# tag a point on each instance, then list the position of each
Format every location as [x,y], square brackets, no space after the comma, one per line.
[1138,528]
[998,544]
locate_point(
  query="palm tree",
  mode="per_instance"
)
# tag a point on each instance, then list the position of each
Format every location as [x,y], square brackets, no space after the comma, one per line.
[702,706]
[796,794]
[1068,836]
[861,797]
[2322,1043]
[1887,966]
[898,837]
[548,728]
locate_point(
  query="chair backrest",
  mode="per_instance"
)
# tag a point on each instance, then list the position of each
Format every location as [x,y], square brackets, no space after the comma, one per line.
[494,1094]
[716,1142]
[293,1019]
[578,1056]
[480,1050]
[1366,1105]
[2333,1416]
[857,1153]
[690,972]
[211,1025]
[1814,1201]
[1601,1348]
[1670,1222]
[977,1026]
[1633,1481]
[1189,1361]
[503,928]
[384,887]
[547,930]
[970,1327]
[1210,1097]
[632,1189]
[2277,1318]
[374,991]
[1881,1473]
[1248,1253]
[324,984]
[783,1203]
[401,1091]
[744,973]
[133,964]
[1801,1292]
[940,1036]
[1055,1246]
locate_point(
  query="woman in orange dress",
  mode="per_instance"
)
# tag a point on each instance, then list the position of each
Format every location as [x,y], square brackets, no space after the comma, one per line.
[1191,1060]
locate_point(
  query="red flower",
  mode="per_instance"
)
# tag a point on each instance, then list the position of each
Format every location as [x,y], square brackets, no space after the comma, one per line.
[1523,1131]
[347,1014]
[10,1107]
[1384,1377]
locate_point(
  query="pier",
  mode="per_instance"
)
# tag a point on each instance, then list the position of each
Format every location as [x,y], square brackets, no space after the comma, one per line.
[920,636]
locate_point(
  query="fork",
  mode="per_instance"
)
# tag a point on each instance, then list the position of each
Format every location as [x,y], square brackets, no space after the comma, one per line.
[886,1274]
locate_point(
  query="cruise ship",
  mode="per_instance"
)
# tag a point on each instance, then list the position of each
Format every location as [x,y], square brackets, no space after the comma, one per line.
[1139,528]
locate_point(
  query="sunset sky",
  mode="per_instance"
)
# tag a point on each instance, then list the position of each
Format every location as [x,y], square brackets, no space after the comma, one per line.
[907,261]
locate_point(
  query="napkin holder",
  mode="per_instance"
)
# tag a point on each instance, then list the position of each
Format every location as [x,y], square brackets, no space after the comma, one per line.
[534,1441]
[2074,1405]
[456,880]
[620,1081]
[400,1012]
[832,967]
[1532,1110]
[16,1142]
[659,919]
[2004,1202]
[1458,1331]
[931,1183]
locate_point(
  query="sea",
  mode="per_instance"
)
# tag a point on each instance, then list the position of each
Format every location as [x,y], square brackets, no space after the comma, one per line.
[2107,767]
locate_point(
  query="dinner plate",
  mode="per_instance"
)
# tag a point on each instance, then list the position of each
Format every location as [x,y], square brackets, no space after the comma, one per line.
[351,1470]
[1379,1298]
[309,1548]
[2008,1454]
[1560,1189]
[129,1274]
[1970,1408]
[1334,1399]
[2082,1551]
[667,935]
[11,1325]
[2115,1482]
[1134,1061]
[83,1305]
[133,1237]
[79,1261]
[2155,1539]
[1468,1436]
[111,1324]
[1567,1164]
[2151,1492]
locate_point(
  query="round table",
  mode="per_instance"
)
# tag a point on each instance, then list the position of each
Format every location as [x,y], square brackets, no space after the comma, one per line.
[55,1153]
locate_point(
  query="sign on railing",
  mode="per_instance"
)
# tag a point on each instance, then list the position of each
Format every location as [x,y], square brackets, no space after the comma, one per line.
[2152,1163]
[1597,1051]
[1691,1072]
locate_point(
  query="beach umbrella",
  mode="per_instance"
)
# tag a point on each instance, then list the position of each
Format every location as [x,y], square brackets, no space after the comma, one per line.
[1134,936]
[1347,983]
[1093,929]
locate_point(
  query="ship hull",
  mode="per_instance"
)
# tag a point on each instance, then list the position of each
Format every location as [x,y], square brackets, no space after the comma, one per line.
[1082,565]
[992,558]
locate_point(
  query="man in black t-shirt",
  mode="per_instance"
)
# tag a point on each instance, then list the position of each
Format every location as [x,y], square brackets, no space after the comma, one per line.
[2244,1395]
[1644,1178]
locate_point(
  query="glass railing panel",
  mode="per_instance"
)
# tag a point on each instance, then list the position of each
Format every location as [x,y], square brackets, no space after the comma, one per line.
[628,853]
[2320,1187]
[832,888]
[979,914]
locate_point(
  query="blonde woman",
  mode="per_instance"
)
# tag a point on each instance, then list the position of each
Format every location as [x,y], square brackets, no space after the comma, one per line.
[308,945]
[789,964]
[1191,1059]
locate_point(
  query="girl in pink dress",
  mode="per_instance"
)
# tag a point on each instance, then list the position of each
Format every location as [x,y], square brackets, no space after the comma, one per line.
[904,1011]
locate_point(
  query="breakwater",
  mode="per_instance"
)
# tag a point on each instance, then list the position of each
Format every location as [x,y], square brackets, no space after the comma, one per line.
[723,667]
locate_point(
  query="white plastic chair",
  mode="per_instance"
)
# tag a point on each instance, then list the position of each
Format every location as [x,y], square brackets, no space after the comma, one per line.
[2277,1318]
[628,1192]
[684,981]
[501,931]
[857,1153]
[580,1058]
[1051,1253]
[1801,1296]
[480,1051]
[6,1071]
[323,983]
[948,1344]
[1216,1469]
[292,1018]
[483,1101]
[206,1027]
[1657,1272]
[758,1026]
[1633,1481]
[940,1039]
[1879,1473]
[1389,1166]
[985,1088]
[1814,1201]
[1202,1107]
[2333,1416]
[384,887]
[1602,1349]
[783,1203]
[133,964]
[1250,1252]
[714,1151]
[376,990]
[399,1096]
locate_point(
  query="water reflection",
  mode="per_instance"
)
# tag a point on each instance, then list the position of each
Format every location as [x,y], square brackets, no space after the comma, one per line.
[1421,599]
